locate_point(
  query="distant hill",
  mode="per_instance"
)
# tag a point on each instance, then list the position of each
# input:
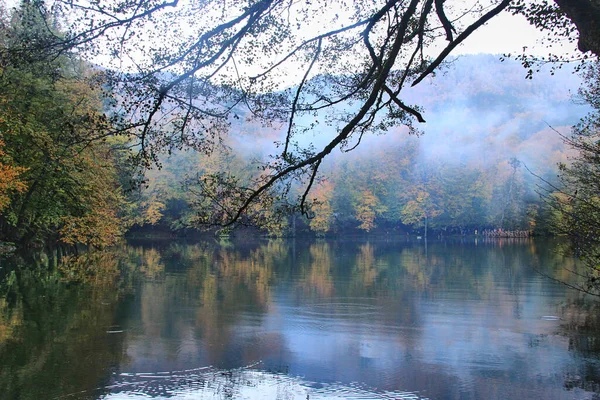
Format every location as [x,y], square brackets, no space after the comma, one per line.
[481,113]
[478,107]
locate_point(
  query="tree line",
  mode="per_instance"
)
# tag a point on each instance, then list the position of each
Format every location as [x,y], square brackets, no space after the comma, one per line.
[391,189]
[76,138]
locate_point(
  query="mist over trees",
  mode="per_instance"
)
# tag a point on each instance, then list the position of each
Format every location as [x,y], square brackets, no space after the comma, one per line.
[457,176]
[300,83]
[178,82]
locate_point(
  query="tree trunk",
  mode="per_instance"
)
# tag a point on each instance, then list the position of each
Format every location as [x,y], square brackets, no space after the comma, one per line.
[585,14]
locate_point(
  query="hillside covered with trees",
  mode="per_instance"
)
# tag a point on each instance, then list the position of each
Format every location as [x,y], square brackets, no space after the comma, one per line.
[89,152]
[465,170]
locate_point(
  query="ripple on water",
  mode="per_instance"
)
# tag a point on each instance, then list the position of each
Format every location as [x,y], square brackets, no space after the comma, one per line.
[550,318]
[340,309]
[242,383]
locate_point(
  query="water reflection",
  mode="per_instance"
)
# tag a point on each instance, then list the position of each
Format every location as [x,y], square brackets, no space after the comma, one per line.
[326,319]
[53,337]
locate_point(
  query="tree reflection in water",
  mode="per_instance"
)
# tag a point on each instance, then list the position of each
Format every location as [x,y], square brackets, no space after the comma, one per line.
[325,318]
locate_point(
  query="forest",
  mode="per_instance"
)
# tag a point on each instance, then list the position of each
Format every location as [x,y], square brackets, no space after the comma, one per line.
[493,157]
[453,178]
[299,199]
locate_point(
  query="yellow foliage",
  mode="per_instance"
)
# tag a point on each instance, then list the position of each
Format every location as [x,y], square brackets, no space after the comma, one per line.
[153,211]
[367,209]
[99,228]
[323,211]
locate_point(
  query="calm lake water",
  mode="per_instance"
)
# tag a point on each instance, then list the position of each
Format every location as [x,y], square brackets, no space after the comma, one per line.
[382,319]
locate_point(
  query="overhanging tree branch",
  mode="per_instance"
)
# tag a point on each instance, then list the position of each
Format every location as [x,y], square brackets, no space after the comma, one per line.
[465,34]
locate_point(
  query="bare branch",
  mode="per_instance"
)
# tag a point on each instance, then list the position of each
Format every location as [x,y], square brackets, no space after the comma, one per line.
[346,130]
[448,28]
[305,43]
[403,106]
[465,34]
[309,186]
[295,102]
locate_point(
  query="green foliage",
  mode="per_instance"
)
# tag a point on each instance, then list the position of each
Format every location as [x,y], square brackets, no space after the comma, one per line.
[576,204]
[391,188]
[53,129]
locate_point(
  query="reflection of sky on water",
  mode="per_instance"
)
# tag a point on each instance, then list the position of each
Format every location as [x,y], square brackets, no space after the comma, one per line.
[452,342]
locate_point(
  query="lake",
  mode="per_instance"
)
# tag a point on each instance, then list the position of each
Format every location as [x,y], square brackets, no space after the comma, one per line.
[299,319]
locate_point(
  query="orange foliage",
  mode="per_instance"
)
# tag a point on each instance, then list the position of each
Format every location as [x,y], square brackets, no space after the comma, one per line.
[9,179]
[323,211]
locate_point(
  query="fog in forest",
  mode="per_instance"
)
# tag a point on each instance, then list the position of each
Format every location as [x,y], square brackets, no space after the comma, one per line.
[481,112]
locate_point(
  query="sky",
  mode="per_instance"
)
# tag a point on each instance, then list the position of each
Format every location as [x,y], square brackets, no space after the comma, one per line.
[495,38]
[505,33]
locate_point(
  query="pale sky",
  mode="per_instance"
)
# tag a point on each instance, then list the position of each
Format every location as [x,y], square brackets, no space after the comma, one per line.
[505,33]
